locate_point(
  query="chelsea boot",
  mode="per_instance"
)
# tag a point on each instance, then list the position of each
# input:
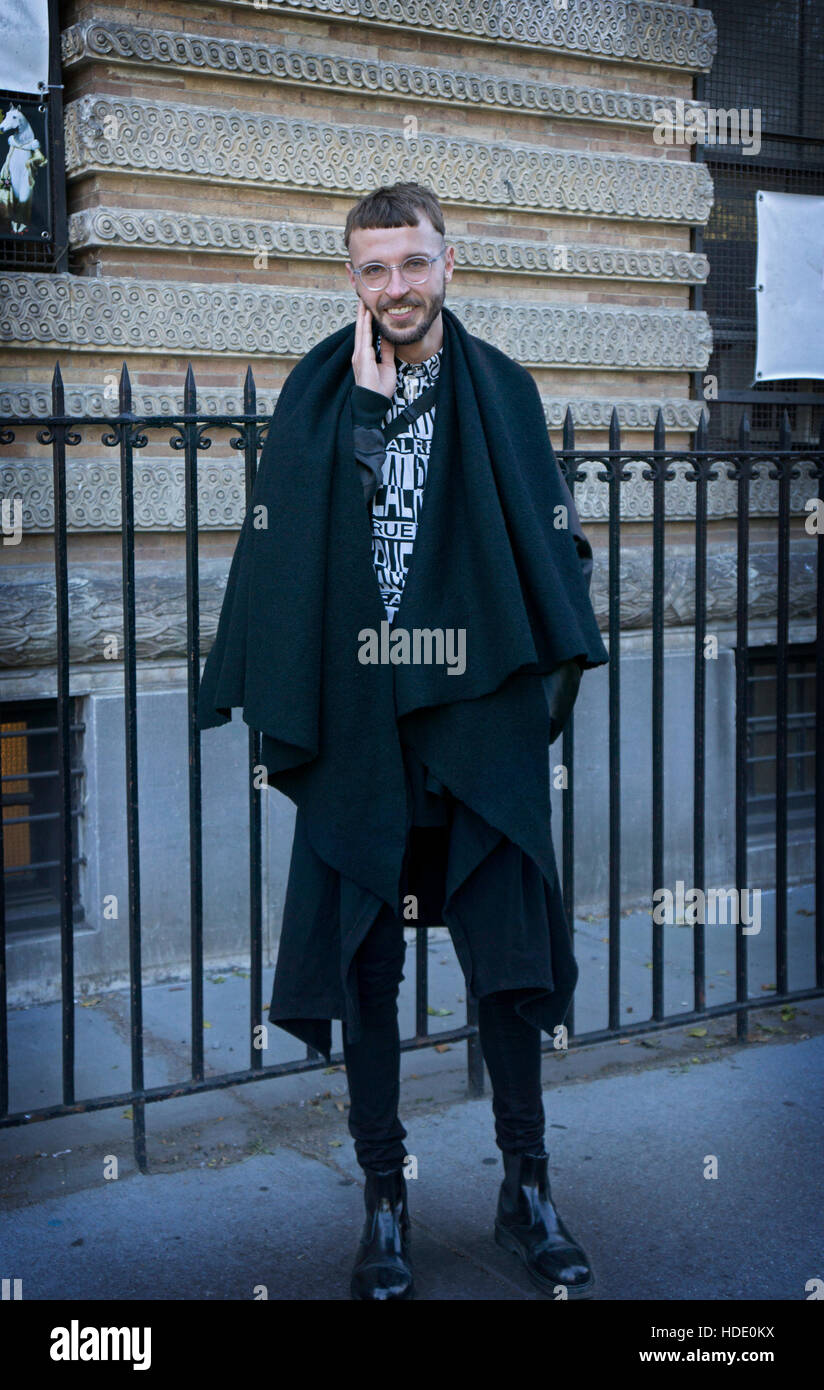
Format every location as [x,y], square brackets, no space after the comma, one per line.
[382,1267]
[528,1225]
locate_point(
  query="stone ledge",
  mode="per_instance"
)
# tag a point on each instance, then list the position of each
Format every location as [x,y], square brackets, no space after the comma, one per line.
[112,313]
[209,143]
[28,635]
[589,413]
[93,492]
[167,230]
[99,40]
[669,35]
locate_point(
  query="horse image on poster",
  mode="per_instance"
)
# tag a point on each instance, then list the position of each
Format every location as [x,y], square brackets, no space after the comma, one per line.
[22,164]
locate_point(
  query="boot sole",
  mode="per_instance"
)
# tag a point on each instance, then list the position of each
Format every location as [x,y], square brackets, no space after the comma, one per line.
[508,1242]
[410,1293]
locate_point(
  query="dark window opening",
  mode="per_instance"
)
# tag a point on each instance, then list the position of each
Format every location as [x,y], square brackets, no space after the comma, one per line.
[770,58]
[31,814]
[761,740]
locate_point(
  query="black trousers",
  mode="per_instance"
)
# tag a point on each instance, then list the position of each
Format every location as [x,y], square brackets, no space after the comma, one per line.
[511,1049]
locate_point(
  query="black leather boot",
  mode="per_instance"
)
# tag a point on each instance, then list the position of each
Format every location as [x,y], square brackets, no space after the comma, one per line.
[382,1268]
[528,1225]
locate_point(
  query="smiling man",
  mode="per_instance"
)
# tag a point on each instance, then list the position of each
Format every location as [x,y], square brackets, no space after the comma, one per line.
[408,479]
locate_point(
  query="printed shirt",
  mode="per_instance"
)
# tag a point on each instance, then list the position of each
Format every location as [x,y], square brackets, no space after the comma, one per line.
[397,503]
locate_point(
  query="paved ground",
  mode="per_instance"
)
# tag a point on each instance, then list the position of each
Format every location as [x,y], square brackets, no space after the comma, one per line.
[257,1186]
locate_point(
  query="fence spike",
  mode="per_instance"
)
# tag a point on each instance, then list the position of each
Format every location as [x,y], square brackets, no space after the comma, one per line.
[702,429]
[614,430]
[659,436]
[189,392]
[785,434]
[249,392]
[569,429]
[744,431]
[58,393]
[125,391]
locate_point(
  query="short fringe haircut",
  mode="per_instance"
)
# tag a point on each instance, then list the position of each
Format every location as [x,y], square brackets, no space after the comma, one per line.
[395,205]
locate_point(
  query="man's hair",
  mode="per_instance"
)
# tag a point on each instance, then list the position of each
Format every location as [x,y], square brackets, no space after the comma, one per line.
[395,205]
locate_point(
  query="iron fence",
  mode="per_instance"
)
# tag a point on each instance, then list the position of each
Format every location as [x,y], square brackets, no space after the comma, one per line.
[189,432]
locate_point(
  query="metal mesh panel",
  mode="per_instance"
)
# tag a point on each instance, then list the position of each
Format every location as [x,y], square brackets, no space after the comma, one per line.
[770,57]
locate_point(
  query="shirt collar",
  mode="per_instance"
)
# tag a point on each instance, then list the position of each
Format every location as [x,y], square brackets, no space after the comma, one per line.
[428,369]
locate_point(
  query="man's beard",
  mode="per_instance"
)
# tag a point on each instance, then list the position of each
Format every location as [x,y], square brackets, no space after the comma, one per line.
[431,308]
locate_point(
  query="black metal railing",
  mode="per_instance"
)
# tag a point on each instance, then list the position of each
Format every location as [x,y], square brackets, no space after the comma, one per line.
[190,432]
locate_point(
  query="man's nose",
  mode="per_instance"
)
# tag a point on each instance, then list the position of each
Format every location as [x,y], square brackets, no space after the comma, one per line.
[397,286]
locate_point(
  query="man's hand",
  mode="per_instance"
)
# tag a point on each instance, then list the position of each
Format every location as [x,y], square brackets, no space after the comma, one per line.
[376,376]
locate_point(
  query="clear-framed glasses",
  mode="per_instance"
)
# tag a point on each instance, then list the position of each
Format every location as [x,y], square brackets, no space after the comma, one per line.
[415,269]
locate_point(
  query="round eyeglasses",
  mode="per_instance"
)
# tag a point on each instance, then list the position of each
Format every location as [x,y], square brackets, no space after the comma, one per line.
[415,269]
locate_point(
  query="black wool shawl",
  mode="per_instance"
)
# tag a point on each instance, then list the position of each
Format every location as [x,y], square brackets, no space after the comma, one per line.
[491,558]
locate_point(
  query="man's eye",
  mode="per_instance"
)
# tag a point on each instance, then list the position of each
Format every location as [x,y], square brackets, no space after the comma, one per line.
[416,263]
[374,269]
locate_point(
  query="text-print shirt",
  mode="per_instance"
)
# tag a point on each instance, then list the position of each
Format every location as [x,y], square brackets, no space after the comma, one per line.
[394,474]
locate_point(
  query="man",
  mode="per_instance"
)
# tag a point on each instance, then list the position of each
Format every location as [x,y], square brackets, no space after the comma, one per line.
[406,622]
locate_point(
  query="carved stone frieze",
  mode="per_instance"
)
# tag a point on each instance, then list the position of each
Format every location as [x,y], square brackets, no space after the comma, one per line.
[93,492]
[28,630]
[242,147]
[164,229]
[668,34]
[111,313]
[589,413]
[109,40]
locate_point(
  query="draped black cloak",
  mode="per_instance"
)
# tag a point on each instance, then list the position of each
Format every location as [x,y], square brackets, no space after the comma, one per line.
[492,556]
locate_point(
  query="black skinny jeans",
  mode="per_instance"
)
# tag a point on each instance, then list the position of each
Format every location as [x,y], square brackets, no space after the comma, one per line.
[511,1049]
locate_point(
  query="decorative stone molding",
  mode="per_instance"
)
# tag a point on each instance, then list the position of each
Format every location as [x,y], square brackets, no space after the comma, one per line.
[28,631]
[167,230]
[241,147]
[34,399]
[93,492]
[121,43]
[160,316]
[669,35]
[592,493]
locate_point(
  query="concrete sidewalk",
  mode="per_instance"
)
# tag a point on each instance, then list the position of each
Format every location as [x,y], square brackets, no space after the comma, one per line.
[255,1187]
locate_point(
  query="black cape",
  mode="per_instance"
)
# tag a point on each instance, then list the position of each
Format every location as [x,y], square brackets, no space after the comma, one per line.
[491,556]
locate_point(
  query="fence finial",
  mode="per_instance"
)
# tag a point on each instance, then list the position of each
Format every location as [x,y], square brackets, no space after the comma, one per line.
[249,392]
[189,392]
[125,391]
[744,431]
[569,429]
[58,393]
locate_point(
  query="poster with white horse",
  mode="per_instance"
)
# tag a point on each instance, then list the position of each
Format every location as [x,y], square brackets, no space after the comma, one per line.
[24,183]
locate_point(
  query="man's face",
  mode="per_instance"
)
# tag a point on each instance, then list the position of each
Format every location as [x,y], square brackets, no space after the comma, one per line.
[402,313]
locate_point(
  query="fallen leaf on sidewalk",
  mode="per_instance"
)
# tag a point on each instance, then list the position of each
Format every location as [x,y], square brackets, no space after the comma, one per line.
[443,1047]
[696,1032]
[89,1003]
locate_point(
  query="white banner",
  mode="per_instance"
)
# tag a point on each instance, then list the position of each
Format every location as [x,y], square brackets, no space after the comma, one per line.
[24,45]
[789,281]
